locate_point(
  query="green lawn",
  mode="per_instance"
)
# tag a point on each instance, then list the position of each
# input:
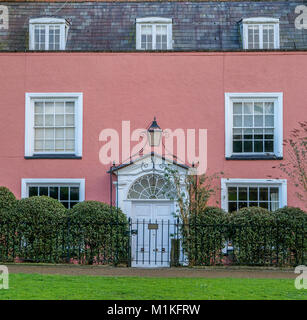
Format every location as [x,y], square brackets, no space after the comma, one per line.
[36,286]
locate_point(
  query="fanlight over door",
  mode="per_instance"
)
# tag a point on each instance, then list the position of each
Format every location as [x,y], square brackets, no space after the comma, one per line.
[151,186]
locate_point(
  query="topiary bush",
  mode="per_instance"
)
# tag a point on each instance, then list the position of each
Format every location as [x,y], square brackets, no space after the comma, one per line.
[7,223]
[7,199]
[291,235]
[40,226]
[97,233]
[250,232]
[261,237]
[206,236]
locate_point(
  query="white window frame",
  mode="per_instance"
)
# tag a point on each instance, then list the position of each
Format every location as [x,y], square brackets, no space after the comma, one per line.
[47,22]
[280,183]
[259,21]
[278,121]
[153,21]
[29,121]
[26,183]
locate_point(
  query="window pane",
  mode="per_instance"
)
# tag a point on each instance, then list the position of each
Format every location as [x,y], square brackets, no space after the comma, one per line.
[258,108]
[237,121]
[258,121]
[237,108]
[38,120]
[74,193]
[253,37]
[232,193]
[54,192]
[33,191]
[258,146]
[59,107]
[253,194]
[59,133]
[59,120]
[269,146]
[43,191]
[49,120]
[63,193]
[263,194]
[237,146]
[248,121]
[248,146]
[232,206]
[269,108]
[248,108]
[69,107]
[242,193]
[269,121]
[38,107]
[39,133]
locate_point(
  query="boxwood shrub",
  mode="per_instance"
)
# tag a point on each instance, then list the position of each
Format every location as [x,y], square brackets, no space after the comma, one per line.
[7,199]
[261,237]
[207,236]
[97,233]
[39,228]
[7,223]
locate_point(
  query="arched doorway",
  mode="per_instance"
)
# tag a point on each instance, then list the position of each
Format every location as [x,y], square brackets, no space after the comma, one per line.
[152,220]
[147,198]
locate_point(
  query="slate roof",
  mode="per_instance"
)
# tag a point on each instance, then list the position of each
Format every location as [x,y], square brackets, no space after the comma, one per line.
[110,25]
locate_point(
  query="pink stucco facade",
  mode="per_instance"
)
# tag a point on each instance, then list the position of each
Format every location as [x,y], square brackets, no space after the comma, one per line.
[184,90]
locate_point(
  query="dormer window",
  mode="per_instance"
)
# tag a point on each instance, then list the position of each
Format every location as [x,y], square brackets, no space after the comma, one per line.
[48,34]
[260,33]
[153,33]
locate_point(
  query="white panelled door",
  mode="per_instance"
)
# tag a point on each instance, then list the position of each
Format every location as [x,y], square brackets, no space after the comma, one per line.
[152,225]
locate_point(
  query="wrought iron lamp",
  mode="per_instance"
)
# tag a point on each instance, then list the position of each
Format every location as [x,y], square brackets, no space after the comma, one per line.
[154,134]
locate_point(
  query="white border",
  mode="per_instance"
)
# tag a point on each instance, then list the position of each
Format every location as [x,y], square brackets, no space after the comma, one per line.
[153,21]
[278,112]
[260,21]
[26,182]
[281,183]
[64,25]
[29,121]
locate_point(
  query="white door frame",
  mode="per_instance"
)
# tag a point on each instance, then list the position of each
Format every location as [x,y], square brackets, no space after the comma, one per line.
[128,174]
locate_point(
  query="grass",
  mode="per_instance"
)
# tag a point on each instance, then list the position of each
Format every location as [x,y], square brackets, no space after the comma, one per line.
[62,287]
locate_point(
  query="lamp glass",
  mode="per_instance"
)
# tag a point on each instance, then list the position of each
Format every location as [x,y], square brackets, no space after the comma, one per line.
[154,137]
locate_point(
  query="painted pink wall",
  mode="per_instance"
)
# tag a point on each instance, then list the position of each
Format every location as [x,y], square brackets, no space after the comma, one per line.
[184,90]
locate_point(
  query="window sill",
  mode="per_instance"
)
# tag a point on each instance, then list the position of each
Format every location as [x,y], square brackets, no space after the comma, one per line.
[53,156]
[254,157]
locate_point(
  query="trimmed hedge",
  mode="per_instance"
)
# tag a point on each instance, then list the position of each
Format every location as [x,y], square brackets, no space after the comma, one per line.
[102,232]
[40,229]
[40,220]
[7,199]
[206,236]
[261,237]
[252,234]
